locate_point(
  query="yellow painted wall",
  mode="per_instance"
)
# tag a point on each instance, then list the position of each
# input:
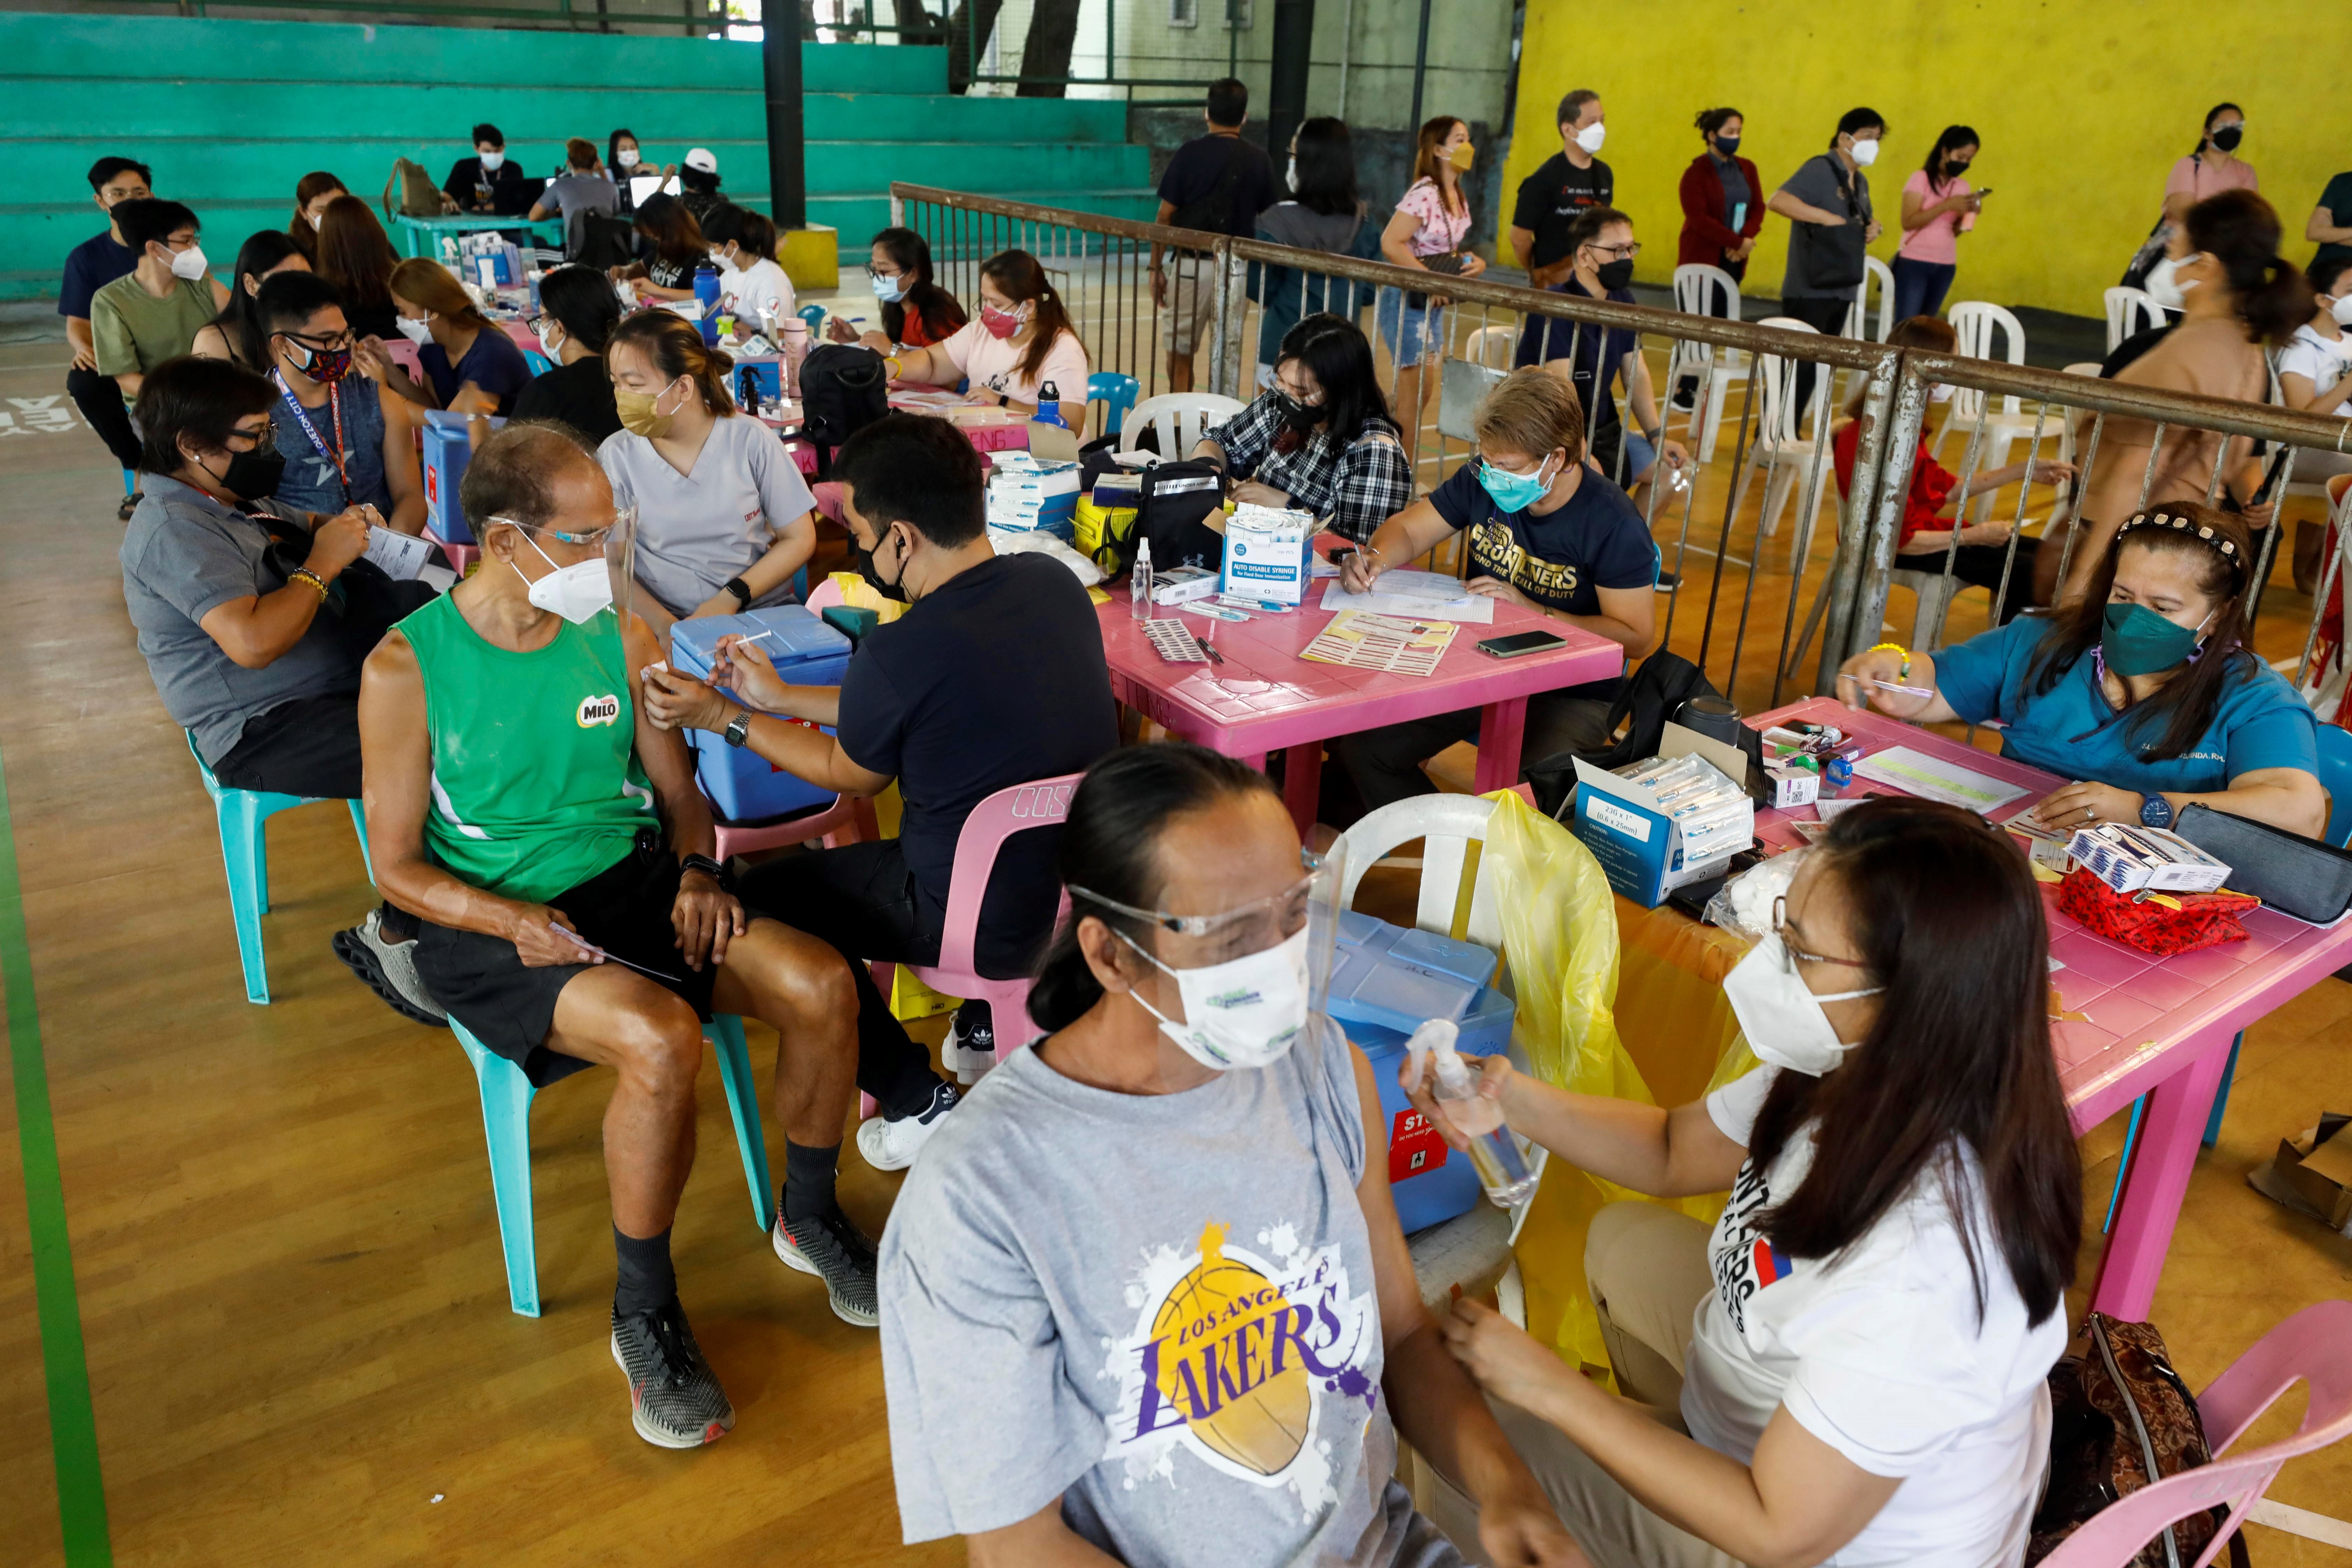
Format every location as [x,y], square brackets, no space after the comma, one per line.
[2083,105]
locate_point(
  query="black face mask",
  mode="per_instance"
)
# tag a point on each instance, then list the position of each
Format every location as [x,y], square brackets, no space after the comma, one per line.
[1615,275]
[1300,417]
[252,475]
[896,591]
[1954,167]
[2228,137]
[1724,146]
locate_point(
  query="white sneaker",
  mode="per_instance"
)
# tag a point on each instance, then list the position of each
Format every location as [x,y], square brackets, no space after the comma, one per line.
[890,1146]
[971,1046]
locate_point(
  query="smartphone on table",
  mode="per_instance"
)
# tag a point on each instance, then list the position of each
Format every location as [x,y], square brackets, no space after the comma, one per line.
[1519,643]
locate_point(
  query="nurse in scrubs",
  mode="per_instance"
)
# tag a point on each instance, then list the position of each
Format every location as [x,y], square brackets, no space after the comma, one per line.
[2143,690]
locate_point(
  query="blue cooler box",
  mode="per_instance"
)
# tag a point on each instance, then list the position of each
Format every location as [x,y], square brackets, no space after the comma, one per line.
[446,452]
[744,785]
[1385,980]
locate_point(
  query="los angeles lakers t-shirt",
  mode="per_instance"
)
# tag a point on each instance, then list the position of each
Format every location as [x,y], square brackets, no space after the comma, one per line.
[1157,1308]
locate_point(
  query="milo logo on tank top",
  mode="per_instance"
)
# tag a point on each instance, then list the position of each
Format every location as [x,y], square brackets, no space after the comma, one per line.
[601,710]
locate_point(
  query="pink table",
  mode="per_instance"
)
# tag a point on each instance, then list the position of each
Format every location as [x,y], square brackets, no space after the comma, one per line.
[2158,1027]
[1266,697]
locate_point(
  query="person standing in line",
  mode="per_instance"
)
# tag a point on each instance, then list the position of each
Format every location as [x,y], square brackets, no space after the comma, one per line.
[1939,207]
[1564,187]
[1827,204]
[1723,212]
[1426,231]
[2330,226]
[1217,183]
[1324,213]
[2213,166]
[90,266]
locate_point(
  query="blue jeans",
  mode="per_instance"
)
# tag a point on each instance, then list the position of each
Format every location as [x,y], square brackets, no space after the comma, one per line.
[1920,287]
[1401,327]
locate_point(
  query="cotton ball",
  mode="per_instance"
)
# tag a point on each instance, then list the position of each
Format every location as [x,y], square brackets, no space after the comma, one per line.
[1752,894]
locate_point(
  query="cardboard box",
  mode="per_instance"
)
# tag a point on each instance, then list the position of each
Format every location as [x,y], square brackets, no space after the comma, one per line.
[1267,554]
[1182,584]
[2313,1174]
[1788,787]
[2133,860]
[1644,850]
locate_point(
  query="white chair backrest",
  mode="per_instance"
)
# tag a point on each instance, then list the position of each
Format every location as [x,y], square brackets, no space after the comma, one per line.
[1976,323]
[1178,419]
[1878,277]
[1491,347]
[1700,289]
[2130,310]
[1446,823]
[1777,379]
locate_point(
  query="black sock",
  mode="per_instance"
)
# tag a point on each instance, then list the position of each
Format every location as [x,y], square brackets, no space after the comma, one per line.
[647,1281]
[808,1179]
[397,925]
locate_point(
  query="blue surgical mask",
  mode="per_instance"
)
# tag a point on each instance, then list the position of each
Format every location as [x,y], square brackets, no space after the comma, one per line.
[1514,492]
[889,291]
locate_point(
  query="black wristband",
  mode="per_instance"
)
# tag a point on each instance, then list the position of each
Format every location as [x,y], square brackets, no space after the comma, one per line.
[742,591]
[708,867]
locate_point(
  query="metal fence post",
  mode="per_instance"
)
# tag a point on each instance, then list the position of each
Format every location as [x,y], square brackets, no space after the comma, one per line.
[1854,518]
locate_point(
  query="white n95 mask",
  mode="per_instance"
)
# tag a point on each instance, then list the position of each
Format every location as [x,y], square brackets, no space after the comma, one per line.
[579,593]
[1592,136]
[1783,1021]
[417,333]
[190,264]
[1246,1012]
[2165,286]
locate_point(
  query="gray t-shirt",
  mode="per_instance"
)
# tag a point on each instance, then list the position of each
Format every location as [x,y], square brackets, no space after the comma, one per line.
[1182,1343]
[184,556]
[1815,184]
[695,531]
[569,193]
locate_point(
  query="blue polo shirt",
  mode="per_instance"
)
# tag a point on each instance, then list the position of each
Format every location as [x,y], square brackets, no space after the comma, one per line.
[2071,730]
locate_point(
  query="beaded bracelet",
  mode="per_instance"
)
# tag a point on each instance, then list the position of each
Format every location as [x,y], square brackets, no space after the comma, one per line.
[1895,647]
[304,574]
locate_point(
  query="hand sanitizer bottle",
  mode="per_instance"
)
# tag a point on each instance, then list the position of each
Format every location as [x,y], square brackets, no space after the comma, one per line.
[1503,1170]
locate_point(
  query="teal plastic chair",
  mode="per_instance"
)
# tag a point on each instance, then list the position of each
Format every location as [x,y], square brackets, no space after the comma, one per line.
[245,852]
[812,315]
[1117,393]
[506,1125]
[2336,778]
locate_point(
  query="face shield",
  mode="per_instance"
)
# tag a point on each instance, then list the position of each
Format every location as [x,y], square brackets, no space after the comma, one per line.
[578,567]
[1248,979]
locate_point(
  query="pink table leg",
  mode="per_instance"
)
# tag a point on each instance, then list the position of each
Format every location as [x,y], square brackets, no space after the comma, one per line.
[1302,782]
[2170,1136]
[1502,726]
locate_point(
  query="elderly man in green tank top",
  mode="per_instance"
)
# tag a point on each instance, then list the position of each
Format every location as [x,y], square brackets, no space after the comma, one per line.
[556,850]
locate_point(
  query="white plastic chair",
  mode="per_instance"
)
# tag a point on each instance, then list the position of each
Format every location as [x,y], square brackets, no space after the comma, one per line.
[1778,445]
[1876,275]
[1178,420]
[1446,825]
[2130,310]
[1699,289]
[1491,347]
[1976,323]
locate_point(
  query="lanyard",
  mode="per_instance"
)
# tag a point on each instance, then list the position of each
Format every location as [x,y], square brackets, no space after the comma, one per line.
[302,416]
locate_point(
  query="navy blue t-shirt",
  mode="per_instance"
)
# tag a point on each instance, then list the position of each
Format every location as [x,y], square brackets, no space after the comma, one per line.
[494,363]
[1561,561]
[90,266]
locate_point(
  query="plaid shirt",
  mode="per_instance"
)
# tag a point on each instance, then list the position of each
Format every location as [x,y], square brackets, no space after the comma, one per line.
[1355,488]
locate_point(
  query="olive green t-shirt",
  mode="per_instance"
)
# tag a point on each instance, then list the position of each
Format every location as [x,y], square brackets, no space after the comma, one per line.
[134,331]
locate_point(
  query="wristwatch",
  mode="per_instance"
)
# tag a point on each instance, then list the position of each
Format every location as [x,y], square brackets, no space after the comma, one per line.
[741,589]
[2155,811]
[739,729]
[706,866]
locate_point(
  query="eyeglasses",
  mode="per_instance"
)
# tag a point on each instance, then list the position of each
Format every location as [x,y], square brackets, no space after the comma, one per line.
[1792,956]
[623,518]
[327,344]
[1246,927]
[265,438]
[874,271]
[1625,252]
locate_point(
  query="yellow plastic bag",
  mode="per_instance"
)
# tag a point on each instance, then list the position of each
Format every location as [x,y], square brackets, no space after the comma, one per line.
[1560,934]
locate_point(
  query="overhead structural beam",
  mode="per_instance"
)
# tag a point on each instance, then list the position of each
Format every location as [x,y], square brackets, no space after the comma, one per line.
[1294,34]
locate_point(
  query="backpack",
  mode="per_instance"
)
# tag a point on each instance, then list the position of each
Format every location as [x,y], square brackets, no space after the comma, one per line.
[1174,502]
[2120,1419]
[1654,694]
[844,388]
[601,242]
[419,197]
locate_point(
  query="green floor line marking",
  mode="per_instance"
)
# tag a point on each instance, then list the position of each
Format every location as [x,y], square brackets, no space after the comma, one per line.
[73,1430]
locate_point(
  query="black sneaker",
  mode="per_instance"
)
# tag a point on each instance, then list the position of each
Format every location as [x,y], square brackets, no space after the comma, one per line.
[1667,582]
[389,969]
[130,504]
[827,1246]
[1686,398]
[970,1047]
[890,1145]
[674,1400]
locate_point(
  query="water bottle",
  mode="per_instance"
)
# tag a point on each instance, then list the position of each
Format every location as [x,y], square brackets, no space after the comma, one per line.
[796,348]
[1139,583]
[705,290]
[532,277]
[1503,1170]
[1049,406]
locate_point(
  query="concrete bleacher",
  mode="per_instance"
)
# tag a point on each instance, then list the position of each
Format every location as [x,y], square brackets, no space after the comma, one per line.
[230,115]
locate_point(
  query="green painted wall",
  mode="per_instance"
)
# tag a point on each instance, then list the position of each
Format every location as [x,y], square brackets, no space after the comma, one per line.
[181,95]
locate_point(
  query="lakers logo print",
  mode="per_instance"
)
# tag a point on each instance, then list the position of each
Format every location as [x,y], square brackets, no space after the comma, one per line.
[604,710]
[1235,1354]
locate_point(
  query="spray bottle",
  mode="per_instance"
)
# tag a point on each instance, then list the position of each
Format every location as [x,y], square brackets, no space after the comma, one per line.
[1139,583]
[1502,1169]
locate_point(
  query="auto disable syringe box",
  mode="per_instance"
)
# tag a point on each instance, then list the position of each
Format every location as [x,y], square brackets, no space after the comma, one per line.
[1652,834]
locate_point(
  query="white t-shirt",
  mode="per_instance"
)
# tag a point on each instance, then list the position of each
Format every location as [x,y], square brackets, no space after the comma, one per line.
[2316,359]
[1880,1355]
[992,363]
[751,290]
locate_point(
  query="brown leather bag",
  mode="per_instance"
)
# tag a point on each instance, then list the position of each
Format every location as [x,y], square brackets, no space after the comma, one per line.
[2120,1417]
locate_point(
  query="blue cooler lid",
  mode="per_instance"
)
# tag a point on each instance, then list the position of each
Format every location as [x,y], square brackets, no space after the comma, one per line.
[801,638]
[1391,978]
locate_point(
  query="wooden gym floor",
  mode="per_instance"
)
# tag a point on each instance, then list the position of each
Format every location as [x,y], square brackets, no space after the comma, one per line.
[284,1262]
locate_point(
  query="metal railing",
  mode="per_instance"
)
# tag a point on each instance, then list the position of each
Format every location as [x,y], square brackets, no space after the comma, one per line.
[1706,528]
[694,17]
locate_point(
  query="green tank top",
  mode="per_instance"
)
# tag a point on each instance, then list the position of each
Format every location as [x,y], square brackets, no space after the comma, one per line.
[536,782]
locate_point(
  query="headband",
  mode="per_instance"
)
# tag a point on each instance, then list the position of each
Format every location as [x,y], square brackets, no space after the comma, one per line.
[2227,549]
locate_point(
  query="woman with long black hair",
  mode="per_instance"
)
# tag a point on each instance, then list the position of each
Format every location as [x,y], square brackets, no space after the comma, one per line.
[1323,212]
[678,249]
[1851,1361]
[916,312]
[1321,438]
[2143,689]
[1939,207]
[235,333]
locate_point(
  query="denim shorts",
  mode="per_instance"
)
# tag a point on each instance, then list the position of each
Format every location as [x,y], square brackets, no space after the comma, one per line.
[1402,328]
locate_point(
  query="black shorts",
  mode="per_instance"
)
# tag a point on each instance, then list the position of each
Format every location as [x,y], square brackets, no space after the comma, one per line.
[509,1006]
[310,746]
